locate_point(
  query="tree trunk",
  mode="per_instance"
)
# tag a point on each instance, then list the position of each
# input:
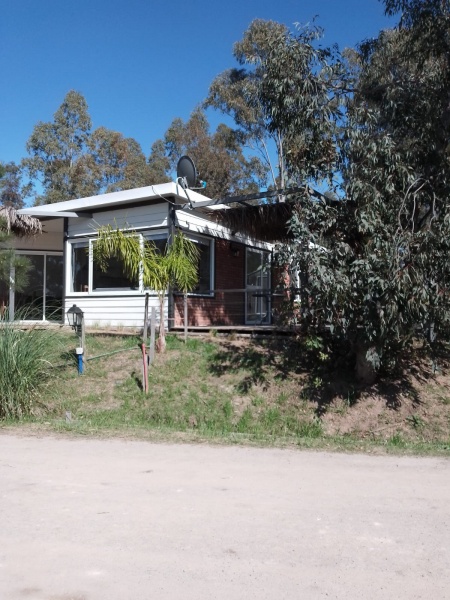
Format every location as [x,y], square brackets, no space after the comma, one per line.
[161,341]
[365,371]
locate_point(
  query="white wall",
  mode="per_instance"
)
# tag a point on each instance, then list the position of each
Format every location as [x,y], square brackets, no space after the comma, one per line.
[114,309]
[119,311]
[137,217]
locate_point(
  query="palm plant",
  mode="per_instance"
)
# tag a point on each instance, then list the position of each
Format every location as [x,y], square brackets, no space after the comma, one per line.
[177,266]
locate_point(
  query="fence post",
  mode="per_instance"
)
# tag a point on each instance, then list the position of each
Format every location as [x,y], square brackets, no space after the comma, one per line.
[144,348]
[185,318]
[152,334]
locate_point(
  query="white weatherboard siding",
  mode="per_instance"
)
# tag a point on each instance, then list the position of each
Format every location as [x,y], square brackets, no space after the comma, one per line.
[104,311]
[114,309]
[137,217]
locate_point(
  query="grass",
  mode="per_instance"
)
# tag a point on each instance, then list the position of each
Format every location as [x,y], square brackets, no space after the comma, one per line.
[25,367]
[227,392]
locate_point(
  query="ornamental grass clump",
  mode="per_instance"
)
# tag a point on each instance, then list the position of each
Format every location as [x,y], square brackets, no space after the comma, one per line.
[24,368]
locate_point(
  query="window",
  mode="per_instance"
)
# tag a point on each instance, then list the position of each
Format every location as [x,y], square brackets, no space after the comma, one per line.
[86,275]
[205,265]
[159,241]
[113,278]
[80,267]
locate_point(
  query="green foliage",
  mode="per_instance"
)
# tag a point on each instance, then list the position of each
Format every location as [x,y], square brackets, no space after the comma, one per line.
[10,260]
[24,368]
[10,186]
[69,161]
[237,93]
[374,263]
[177,266]
[218,156]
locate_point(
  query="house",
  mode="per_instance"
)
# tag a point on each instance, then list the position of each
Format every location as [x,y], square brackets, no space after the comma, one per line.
[234,286]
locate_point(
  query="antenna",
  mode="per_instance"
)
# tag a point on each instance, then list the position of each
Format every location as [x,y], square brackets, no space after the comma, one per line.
[187,174]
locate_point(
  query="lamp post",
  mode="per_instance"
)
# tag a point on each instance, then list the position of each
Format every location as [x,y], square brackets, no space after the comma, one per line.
[75,317]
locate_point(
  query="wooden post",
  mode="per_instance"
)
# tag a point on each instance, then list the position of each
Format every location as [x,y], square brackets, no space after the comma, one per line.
[152,334]
[185,318]
[144,348]
[145,333]
[144,369]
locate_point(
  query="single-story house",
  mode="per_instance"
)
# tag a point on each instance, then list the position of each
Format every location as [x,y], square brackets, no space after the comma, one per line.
[234,286]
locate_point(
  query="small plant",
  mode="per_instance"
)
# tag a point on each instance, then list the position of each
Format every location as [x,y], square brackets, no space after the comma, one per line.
[397,441]
[416,421]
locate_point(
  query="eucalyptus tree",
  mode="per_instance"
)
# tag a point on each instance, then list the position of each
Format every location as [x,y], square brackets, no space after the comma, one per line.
[236,92]
[68,160]
[57,150]
[115,162]
[377,271]
[219,156]
[176,267]
[10,186]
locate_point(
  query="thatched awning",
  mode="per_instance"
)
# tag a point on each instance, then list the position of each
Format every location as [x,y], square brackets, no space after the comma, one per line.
[267,222]
[19,225]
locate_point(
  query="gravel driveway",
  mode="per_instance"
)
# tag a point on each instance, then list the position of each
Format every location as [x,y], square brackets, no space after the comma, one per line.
[84,519]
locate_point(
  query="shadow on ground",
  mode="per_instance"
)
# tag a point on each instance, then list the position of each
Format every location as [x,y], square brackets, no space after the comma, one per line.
[322,378]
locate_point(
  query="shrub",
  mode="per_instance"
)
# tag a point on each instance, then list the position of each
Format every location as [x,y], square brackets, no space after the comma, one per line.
[24,367]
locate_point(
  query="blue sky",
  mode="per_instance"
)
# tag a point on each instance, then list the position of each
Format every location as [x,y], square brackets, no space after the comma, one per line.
[139,63]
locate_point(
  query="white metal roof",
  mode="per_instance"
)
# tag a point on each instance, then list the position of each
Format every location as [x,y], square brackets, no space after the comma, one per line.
[164,191]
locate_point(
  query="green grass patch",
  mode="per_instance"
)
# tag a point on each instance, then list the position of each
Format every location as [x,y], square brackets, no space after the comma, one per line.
[208,389]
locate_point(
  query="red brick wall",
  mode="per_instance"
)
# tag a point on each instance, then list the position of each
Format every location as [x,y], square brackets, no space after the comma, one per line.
[224,308]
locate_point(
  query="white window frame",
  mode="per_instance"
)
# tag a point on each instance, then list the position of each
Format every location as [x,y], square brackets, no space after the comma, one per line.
[143,236]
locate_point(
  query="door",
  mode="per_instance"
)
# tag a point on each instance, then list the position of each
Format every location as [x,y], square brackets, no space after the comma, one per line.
[41,299]
[257,296]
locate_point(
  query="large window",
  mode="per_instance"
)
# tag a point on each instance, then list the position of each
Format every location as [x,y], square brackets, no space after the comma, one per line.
[86,276]
[41,298]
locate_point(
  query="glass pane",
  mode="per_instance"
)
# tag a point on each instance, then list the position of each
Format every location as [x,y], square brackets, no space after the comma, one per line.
[254,268]
[258,278]
[113,279]
[29,301]
[54,288]
[204,269]
[159,242]
[80,267]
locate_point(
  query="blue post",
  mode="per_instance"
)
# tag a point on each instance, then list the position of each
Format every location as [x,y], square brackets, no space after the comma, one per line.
[79,352]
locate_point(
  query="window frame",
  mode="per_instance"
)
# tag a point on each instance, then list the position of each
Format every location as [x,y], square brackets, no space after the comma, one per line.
[143,237]
[206,241]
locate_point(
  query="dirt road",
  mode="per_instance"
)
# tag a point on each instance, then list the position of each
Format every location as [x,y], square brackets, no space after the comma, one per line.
[115,520]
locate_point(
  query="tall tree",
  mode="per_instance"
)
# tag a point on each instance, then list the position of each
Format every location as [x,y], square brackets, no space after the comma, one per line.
[237,93]
[116,163]
[10,186]
[158,163]
[67,160]
[219,156]
[378,274]
[57,150]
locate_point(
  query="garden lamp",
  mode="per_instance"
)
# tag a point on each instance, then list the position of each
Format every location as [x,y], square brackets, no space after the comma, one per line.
[75,317]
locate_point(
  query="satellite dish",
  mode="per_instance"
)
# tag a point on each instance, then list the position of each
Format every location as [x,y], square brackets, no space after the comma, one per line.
[186,172]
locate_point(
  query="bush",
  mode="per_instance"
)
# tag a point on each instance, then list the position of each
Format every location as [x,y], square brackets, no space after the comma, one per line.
[24,367]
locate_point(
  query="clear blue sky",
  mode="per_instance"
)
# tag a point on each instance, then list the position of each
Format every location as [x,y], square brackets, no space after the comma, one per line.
[139,63]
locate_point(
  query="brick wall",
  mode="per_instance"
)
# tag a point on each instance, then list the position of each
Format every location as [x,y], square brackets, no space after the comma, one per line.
[224,308]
